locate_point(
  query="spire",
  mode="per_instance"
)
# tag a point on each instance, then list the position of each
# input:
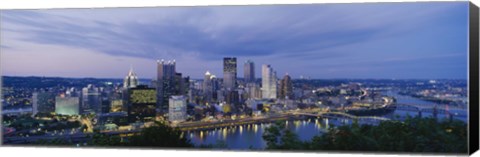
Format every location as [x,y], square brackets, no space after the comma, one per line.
[207,73]
[130,72]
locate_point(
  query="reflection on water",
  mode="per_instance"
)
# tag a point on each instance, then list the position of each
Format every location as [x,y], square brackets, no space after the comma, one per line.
[250,136]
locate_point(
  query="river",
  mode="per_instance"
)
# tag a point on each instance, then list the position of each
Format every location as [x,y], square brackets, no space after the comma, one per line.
[250,136]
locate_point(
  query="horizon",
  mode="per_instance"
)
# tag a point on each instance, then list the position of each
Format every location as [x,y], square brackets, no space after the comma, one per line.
[322,40]
[256,78]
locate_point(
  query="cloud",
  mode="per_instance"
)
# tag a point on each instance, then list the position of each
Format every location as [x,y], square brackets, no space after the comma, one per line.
[295,32]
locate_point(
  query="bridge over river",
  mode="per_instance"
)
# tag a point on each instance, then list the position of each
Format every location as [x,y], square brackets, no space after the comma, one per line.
[194,126]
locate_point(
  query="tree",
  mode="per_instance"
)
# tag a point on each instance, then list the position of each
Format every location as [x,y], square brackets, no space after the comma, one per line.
[413,135]
[160,135]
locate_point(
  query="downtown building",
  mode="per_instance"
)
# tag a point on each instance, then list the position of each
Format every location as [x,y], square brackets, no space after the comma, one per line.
[286,88]
[141,103]
[169,83]
[43,102]
[249,72]
[177,109]
[91,100]
[269,82]
[131,80]
[208,87]
[67,105]
[229,73]
[165,84]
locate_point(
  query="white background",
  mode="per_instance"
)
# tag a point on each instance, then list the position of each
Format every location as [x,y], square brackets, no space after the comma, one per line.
[69,152]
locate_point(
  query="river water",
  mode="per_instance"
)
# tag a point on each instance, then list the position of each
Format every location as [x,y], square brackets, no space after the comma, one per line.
[250,136]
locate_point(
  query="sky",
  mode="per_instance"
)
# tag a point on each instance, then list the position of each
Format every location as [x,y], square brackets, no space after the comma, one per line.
[426,40]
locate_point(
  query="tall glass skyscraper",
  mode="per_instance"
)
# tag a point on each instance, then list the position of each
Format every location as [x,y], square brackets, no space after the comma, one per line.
[90,100]
[269,82]
[165,84]
[177,109]
[229,73]
[249,71]
[286,88]
[207,86]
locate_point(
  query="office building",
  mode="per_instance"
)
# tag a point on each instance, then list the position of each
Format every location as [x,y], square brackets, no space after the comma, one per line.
[229,73]
[249,71]
[66,105]
[286,88]
[43,102]
[165,85]
[131,80]
[141,104]
[253,91]
[91,102]
[269,82]
[177,109]
[208,86]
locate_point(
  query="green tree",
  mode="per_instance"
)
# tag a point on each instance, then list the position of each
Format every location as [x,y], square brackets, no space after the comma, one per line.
[413,135]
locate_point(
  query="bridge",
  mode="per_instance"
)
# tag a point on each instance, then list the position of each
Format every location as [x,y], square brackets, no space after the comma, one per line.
[194,126]
[342,115]
[434,109]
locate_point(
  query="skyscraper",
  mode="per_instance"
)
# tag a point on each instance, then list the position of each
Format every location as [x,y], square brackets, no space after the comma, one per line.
[207,86]
[177,109]
[286,88]
[249,71]
[131,80]
[91,102]
[43,102]
[141,104]
[165,84]
[229,73]
[269,82]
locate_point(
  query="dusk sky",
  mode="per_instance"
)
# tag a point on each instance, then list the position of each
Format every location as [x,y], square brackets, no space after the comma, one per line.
[372,40]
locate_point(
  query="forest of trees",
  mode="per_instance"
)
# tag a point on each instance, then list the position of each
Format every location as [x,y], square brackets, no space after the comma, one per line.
[413,135]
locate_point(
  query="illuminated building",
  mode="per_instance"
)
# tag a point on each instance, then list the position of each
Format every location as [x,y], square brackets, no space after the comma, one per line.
[253,91]
[177,109]
[91,102]
[269,82]
[208,86]
[249,71]
[165,85]
[229,73]
[116,105]
[67,105]
[141,104]
[130,80]
[286,88]
[43,102]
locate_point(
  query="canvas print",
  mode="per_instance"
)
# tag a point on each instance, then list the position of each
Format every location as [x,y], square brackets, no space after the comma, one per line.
[369,77]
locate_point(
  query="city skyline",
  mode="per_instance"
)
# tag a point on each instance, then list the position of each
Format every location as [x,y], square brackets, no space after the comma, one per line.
[342,41]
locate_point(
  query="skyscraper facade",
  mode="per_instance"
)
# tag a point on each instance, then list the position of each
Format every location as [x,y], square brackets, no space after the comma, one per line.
[141,104]
[66,105]
[165,84]
[91,102]
[229,73]
[177,109]
[286,88]
[131,80]
[207,86]
[43,102]
[249,71]
[269,82]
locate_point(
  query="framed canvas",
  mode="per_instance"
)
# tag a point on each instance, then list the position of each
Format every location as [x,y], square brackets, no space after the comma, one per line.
[389,78]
